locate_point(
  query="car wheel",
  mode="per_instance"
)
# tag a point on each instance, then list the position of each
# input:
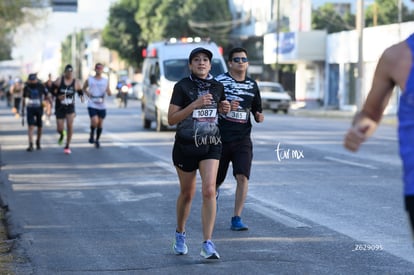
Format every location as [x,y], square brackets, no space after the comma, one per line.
[285,111]
[146,123]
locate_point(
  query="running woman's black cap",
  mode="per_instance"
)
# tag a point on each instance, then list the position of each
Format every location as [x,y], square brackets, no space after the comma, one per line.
[200,50]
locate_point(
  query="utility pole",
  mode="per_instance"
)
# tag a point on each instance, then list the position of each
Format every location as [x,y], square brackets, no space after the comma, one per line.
[360,22]
[277,39]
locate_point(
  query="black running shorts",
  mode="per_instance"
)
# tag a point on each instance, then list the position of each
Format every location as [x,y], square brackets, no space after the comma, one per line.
[101,113]
[34,116]
[63,110]
[189,163]
[240,153]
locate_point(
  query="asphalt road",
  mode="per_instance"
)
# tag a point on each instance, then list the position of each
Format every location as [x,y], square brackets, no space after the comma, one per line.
[312,208]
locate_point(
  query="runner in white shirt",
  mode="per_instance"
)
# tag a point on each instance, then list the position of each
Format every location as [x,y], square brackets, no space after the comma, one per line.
[96,87]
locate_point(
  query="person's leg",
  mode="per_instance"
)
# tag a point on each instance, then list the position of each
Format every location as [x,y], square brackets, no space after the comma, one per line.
[30,129]
[60,127]
[223,166]
[242,160]
[208,171]
[94,124]
[185,197]
[241,194]
[69,124]
[39,124]
[101,117]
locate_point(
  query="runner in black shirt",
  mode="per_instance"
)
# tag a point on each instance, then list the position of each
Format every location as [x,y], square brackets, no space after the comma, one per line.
[33,95]
[64,92]
[194,107]
[235,128]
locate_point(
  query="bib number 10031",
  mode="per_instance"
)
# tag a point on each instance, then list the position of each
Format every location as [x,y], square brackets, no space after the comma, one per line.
[204,113]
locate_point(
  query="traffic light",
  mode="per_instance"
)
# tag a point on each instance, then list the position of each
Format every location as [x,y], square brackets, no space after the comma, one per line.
[65,5]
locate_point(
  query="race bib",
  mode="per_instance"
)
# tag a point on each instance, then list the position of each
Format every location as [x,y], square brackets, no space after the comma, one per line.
[237,115]
[204,113]
[33,102]
[97,100]
[67,101]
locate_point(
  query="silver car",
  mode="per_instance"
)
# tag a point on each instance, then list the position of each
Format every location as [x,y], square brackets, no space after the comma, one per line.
[274,96]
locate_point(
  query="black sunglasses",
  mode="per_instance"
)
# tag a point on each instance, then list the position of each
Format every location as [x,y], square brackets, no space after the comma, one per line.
[238,59]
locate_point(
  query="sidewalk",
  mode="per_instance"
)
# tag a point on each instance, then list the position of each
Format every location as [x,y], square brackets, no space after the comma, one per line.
[298,109]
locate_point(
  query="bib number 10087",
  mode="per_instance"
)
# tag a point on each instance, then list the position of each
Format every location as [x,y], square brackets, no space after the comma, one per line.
[204,113]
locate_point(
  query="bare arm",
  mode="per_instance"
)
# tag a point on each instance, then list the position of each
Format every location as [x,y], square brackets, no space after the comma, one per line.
[177,113]
[85,88]
[366,121]
[108,90]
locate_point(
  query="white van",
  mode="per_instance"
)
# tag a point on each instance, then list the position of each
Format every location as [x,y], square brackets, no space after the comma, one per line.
[165,63]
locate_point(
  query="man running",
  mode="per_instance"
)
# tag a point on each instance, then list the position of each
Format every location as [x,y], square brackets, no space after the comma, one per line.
[235,128]
[64,92]
[96,87]
[33,94]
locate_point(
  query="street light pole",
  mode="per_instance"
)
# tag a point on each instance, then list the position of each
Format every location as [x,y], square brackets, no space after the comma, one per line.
[360,22]
[277,39]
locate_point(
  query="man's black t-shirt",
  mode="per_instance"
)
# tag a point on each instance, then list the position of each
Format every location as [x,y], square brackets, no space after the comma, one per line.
[236,125]
[34,95]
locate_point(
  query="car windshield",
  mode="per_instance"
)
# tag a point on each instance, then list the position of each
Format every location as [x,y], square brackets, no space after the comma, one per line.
[272,88]
[176,69]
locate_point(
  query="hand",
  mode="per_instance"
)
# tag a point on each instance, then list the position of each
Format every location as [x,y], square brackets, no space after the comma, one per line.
[234,105]
[204,100]
[225,106]
[259,117]
[355,137]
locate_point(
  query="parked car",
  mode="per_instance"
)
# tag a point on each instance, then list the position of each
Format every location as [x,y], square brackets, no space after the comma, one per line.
[274,96]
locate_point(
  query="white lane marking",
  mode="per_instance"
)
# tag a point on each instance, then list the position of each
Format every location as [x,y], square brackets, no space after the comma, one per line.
[126,195]
[351,163]
[61,195]
[278,217]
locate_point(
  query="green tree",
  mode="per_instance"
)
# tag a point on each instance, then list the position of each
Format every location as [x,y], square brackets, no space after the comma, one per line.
[327,18]
[66,48]
[12,15]
[161,19]
[134,24]
[383,12]
[122,33]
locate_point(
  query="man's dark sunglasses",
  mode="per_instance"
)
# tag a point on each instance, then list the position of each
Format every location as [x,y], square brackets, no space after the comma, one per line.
[237,59]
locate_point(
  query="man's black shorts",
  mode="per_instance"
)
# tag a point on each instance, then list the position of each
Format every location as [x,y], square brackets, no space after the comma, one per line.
[34,116]
[97,112]
[240,154]
[190,163]
[63,110]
